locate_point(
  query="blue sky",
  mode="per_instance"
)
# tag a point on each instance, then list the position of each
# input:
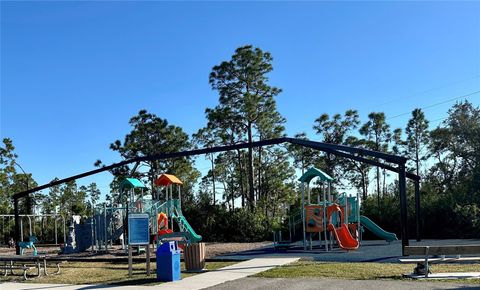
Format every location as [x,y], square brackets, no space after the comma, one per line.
[73,73]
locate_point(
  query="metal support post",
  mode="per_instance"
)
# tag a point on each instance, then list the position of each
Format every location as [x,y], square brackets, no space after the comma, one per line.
[417,210]
[105,226]
[325,222]
[30,225]
[21,229]
[56,232]
[303,217]
[403,206]
[148,259]
[17,226]
[64,230]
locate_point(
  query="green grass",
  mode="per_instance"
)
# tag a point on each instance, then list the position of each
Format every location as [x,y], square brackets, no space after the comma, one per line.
[362,271]
[103,273]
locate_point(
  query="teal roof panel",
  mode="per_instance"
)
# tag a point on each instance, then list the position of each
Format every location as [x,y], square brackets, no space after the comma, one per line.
[315,172]
[131,183]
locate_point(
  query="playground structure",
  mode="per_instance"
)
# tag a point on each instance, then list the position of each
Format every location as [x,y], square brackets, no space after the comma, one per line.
[28,245]
[111,222]
[325,216]
[329,218]
[390,162]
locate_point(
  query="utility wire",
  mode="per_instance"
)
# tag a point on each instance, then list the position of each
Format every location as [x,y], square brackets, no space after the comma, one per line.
[423,92]
[437,104]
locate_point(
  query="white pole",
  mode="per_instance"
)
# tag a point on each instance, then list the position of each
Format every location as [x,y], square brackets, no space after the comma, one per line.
[21,229]
[310,235]
[319,233]
[346,208]
[30,226]
[105,225]
[179,195]
[303,217]
[171,213]
[318,198]
[56,239]
[329,190]
[308,192]
[325,217]
[358,218]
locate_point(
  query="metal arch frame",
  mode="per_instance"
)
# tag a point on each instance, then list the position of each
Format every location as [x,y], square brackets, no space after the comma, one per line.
[353,153]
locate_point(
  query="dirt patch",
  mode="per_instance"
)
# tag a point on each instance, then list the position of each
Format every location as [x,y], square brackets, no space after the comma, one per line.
[219,249]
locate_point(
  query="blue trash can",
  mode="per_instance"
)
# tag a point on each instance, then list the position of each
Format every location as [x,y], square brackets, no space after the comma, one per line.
[168,262]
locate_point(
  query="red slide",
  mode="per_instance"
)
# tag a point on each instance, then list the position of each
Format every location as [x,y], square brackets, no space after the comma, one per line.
[343,236]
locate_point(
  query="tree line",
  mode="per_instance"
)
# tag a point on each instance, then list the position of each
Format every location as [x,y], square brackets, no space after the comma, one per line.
[246,193]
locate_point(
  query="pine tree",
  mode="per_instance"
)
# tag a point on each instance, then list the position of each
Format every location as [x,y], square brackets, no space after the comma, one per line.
[417,138]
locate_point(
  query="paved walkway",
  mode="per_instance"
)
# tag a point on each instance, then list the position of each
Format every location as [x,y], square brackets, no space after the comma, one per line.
[229,273]
[336,284]
[200,281]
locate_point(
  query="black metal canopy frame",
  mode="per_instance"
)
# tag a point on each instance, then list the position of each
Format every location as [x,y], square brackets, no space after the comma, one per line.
[353,153]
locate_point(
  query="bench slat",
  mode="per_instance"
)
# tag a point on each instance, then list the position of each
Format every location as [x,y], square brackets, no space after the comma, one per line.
[443,250]
[22,258]
[443,260]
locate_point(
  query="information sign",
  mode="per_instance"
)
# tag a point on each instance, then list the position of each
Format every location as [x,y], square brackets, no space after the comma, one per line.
[138,229]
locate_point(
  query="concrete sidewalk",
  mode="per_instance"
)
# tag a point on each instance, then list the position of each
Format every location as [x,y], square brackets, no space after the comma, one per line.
[233,272]
[38,286]
[200,281]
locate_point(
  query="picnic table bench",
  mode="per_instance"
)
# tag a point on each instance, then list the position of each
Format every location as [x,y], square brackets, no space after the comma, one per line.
[439,254]
[26,263]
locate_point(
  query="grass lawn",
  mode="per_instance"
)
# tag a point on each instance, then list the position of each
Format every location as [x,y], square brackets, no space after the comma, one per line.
[362,271]
[103,273]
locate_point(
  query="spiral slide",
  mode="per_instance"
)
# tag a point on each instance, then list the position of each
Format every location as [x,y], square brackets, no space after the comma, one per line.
[344,238]
[377,230]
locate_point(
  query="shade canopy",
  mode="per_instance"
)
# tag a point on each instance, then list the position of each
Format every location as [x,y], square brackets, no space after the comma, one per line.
[167,179]
[315,172]
[130,183]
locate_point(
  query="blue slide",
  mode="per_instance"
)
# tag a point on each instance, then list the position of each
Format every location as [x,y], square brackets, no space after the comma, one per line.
[377,230]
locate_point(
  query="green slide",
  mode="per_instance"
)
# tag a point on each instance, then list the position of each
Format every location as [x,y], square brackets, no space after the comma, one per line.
[378,231]
[187,229]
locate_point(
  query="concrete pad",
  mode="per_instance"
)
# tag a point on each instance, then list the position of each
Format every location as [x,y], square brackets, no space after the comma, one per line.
[229,273]
[369,251]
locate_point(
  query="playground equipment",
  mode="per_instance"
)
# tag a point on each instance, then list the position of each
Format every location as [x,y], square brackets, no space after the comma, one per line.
[377,230]
[171,208]
[339,218]
[28,245]
[390,162]
[111,221]
[324,216]
[342,233]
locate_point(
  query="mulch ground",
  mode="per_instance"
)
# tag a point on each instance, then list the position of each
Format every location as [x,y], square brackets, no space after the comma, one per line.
[211,250]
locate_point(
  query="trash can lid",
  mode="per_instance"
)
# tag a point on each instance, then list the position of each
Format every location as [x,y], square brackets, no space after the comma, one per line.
[168,247]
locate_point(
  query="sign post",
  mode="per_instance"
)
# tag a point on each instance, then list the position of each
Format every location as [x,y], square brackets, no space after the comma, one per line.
[138,235]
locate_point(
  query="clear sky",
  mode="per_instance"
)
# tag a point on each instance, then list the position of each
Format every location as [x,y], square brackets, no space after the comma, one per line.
[73,73]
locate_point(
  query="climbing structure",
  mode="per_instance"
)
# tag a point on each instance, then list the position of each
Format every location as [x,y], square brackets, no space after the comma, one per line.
[171,208]
[324,215]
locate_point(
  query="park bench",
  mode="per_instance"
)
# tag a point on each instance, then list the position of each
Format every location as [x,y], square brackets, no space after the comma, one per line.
[25,263]
[437,254]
